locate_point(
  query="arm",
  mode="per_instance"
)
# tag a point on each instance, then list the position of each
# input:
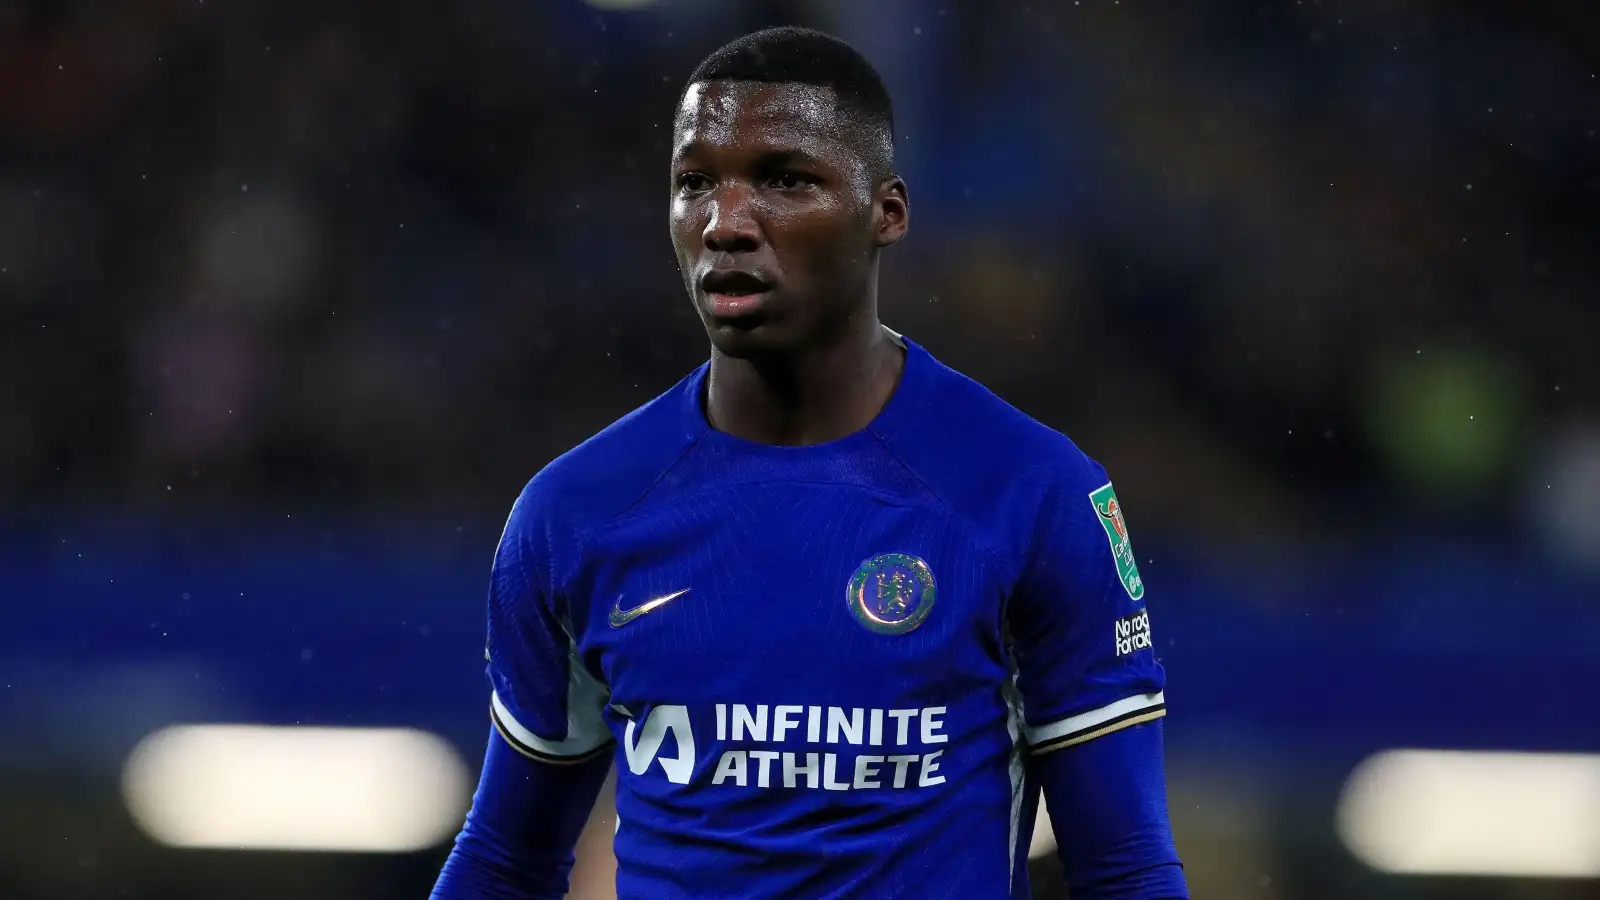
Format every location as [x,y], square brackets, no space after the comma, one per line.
[525,819]
[1108,806]
[547,755]
[1093,694]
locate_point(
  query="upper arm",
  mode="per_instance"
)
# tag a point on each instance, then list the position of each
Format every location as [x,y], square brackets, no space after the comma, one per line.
[1079,626]
[526,815]
[544,702]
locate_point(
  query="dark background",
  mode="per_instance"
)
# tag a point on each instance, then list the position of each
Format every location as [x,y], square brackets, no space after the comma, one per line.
[294,297]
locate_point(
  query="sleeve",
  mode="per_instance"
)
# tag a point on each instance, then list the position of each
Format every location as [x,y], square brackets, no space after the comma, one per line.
[1108,808]
[1080,632]
[544,702]
[525,819]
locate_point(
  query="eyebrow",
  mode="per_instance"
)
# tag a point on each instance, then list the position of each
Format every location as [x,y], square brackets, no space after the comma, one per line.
[767,159]
[787,157]
[679,152]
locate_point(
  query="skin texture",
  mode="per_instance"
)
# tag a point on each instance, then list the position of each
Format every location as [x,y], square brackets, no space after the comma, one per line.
[771,181]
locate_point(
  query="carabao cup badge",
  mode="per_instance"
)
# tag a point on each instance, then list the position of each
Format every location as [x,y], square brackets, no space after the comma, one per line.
[1115,524]
[891,593]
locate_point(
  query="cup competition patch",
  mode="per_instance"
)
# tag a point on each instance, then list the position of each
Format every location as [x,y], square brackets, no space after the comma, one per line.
[1109,510]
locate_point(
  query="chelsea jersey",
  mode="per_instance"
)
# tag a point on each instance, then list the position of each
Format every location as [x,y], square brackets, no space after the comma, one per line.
[820,670]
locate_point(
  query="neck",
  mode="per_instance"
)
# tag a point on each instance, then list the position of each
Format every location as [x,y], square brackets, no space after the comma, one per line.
[820,394]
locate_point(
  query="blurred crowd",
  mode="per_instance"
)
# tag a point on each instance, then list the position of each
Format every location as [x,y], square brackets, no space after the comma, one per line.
[1299,268]
[1311,276]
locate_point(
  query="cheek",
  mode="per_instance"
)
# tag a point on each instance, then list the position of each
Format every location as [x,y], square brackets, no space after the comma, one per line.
[822,240]
[825,266]
[685,236]
[837,245]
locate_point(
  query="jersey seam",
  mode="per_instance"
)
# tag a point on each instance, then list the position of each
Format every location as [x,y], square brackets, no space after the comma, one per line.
[996,556]
[586,536]
[809,482]
[1013,571]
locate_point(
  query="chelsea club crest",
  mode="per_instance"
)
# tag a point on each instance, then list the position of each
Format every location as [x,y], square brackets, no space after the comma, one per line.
[891,593]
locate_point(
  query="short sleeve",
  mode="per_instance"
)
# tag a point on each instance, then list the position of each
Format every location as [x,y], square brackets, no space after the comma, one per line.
[544,702]
[1080,630]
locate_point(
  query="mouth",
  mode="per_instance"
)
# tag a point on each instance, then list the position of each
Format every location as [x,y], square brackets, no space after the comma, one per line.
[731,293]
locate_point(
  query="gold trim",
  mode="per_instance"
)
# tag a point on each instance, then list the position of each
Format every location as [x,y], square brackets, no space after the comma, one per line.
[1099,732]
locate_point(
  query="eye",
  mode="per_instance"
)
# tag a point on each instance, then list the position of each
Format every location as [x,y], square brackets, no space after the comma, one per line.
[692,182]
[790,180]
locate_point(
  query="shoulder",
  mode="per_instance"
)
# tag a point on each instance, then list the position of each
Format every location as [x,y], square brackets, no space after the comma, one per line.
[607,474]
[991,462]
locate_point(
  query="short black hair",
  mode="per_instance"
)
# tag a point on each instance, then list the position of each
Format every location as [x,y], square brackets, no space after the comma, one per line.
[790,54]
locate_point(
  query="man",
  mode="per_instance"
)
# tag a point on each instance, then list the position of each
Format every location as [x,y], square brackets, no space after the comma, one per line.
[836,611]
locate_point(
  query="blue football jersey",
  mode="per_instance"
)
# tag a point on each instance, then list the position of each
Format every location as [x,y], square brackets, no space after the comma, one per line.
[820,669]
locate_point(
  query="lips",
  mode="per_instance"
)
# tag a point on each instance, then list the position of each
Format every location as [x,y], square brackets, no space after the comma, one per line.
[734,293]
[733,282]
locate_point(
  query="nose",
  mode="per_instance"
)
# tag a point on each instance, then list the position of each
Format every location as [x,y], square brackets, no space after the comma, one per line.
[731,227]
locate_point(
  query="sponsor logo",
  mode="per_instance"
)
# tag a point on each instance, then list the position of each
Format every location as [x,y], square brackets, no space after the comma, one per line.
[765,747]
[891,593]
[1133,633]
[646,749]
[1109,510]
[621,617]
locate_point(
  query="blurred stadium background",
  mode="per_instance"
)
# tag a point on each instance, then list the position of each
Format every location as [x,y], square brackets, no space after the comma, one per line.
[295,296]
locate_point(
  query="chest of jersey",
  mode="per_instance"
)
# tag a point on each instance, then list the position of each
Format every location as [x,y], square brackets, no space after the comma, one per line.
[794,636]
[820,592]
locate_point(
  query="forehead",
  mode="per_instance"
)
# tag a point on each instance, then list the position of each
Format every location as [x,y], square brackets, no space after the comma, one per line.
[720,116]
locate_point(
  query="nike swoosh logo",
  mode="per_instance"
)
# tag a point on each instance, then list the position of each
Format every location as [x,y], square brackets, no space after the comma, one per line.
[621,617]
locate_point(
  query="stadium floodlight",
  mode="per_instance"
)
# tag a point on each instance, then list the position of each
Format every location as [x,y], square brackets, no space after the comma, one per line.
[1453,812]
[257,787]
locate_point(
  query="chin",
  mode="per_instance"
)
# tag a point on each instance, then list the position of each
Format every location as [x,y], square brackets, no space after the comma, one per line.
[751,340]
[747,343]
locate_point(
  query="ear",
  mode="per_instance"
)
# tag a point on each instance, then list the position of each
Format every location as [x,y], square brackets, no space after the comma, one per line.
[893,212]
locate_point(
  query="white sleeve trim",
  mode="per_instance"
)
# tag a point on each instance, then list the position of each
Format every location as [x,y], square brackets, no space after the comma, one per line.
[581,742]
[1092,724]
[586,726]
